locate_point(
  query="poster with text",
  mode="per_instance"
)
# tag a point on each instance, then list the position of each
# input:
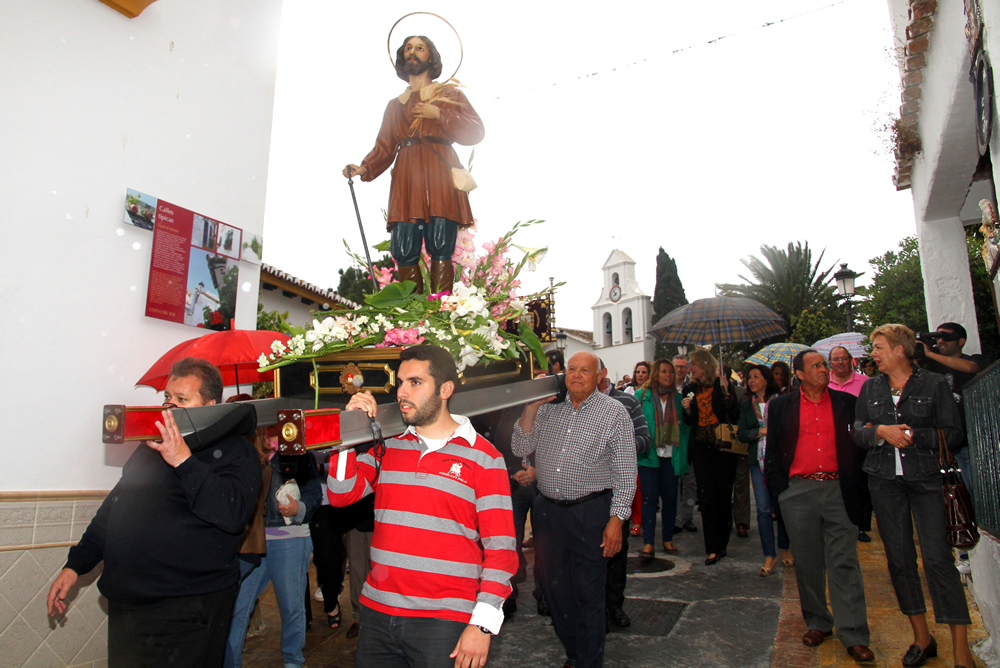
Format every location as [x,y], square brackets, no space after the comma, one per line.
[191,280]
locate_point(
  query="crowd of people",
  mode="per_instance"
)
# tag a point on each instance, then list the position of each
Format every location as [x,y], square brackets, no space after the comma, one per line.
[433,522]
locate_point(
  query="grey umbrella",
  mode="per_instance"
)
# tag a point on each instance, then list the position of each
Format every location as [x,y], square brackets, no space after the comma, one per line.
[719,321]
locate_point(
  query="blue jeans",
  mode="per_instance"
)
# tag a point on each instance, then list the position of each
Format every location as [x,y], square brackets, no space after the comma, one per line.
[658,484]
[964,459]
[765,523]
[287,566]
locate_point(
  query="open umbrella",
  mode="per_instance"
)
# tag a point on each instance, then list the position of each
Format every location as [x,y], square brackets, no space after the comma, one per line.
[855,342]
[233,352]
[775,352]
[719,320]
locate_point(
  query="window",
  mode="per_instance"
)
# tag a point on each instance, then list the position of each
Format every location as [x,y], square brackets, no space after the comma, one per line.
[627,320]
[608,332]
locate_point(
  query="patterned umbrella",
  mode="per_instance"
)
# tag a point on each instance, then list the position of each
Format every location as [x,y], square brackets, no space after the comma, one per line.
[855,342]
[775,352]
[719,320]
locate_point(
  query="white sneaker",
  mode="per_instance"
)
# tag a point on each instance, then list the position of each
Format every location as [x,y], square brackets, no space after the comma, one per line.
[318,594]
[964,568]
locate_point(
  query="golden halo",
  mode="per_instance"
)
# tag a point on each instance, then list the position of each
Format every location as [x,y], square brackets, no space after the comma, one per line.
[461,49]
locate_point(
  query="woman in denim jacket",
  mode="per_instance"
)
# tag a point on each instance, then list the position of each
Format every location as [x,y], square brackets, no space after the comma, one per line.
[897,417]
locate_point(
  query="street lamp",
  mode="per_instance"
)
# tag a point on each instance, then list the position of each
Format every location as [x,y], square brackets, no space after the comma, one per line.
[561,340]
[845,286]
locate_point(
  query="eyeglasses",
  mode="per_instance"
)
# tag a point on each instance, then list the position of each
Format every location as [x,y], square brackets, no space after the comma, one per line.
[840,359]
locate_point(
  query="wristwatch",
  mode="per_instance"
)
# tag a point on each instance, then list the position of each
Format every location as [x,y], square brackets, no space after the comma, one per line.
[485,631]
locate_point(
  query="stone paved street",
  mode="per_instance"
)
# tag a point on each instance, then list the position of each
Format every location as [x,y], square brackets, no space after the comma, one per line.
[692,615]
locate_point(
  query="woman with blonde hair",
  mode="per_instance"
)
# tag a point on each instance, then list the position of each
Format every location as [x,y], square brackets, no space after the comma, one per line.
[709,400]
[661,465]
[898,416]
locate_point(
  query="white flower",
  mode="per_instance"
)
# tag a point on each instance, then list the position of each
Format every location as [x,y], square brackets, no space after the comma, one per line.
[468,356]
[262,360]
[465,299]
[535,255]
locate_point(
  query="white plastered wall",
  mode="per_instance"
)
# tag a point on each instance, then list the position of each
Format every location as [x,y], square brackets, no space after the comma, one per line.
[943,173]
[176,103]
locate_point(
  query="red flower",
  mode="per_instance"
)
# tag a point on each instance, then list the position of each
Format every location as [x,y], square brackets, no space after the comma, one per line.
[216,318]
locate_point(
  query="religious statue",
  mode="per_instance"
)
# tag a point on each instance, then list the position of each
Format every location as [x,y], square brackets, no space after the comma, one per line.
[428,198]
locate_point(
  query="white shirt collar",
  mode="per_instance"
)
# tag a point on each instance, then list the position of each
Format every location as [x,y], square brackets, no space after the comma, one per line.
[464,431]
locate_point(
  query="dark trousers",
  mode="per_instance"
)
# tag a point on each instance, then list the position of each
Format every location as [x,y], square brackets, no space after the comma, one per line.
[521,498]
[659,484]
[715,473]
[574,573]
[327,532]
[899,504]
[824,543]
[614,589]
[180,631]
[385,641]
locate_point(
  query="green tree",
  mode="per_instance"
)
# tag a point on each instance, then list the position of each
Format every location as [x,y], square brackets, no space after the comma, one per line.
[896,293]
[982,293]
[788,282]
[668,294]
[356,283]
[273,321]
[811,327]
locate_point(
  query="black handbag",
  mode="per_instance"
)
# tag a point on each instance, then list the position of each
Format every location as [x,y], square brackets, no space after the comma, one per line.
[959,514]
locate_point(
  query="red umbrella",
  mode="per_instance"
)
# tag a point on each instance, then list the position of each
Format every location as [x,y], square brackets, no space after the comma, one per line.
[234,352]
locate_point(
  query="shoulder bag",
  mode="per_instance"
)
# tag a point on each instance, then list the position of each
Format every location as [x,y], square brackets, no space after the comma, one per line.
[959,513]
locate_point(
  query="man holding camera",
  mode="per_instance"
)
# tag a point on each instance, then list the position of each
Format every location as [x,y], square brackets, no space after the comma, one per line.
[941,352]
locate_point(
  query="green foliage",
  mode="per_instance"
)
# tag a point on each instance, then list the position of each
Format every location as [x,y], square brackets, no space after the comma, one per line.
[986,310]
[227,299]
[896,293]
[392,295]
[811,327]
[668,294]
[355,282]
[273,321]
[788,283]
[531,341]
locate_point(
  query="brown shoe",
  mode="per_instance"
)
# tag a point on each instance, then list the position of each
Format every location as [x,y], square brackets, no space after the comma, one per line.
[352,631]
[861,653]
[742,530]
[814,638]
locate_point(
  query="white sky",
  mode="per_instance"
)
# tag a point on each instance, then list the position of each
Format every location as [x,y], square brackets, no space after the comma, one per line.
[765,136]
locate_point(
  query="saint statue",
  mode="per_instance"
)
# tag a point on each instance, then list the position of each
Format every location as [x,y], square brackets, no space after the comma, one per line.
[426,208]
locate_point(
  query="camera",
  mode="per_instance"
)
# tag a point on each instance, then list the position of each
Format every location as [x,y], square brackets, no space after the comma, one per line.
[928,339]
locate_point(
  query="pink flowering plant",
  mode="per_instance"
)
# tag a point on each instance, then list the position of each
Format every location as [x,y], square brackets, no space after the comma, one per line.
[470,320]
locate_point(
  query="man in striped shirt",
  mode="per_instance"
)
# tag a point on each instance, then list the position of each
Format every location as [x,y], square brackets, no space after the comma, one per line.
[443,550]
[585,461]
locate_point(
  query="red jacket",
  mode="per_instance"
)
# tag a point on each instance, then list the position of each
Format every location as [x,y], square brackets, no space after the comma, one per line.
[444,543]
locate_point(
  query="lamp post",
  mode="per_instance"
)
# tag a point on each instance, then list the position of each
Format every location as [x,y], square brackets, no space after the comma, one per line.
[561,340]
[845,286]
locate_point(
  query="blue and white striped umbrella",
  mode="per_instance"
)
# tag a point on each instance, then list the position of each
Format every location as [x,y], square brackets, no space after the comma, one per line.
[777,352]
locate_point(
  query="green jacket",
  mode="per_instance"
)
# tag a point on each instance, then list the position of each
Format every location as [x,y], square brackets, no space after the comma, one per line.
[748,429]
[679,459]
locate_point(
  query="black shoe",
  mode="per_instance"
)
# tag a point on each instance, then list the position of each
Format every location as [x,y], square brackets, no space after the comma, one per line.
[619,618]
[689,526]
[863,537]
[543,607]
[509,607]
[918,657]
[710,561]
[678,528]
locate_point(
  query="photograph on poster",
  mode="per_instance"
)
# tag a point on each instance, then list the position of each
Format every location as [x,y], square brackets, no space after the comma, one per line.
[253,250]
[204,232]
[211,290]
[229,241]
[140,209]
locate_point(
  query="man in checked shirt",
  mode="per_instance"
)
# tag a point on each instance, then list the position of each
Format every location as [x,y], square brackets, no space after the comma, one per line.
[585,463]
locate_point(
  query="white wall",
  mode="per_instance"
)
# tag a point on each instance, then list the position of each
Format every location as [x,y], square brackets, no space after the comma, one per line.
[175,103]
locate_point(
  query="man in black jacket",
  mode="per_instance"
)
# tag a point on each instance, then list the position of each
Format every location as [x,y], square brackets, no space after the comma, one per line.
[813,471]
[168,534]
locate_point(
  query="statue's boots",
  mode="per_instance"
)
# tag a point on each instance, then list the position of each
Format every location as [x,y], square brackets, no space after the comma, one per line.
[442,276]
[412,273]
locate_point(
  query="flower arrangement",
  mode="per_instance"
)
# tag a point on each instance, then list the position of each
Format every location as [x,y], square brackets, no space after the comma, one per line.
[470,320]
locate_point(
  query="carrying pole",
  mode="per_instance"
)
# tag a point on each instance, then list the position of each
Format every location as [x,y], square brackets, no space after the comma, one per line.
[371,267]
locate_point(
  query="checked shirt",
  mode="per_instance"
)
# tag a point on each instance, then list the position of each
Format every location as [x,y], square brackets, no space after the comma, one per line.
[582,450]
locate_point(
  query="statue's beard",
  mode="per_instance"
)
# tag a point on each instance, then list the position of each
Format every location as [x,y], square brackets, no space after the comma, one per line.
[416,67]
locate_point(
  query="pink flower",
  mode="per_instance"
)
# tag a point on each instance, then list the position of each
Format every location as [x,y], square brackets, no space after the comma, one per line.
[438,295]
[384,276]
[401,337]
